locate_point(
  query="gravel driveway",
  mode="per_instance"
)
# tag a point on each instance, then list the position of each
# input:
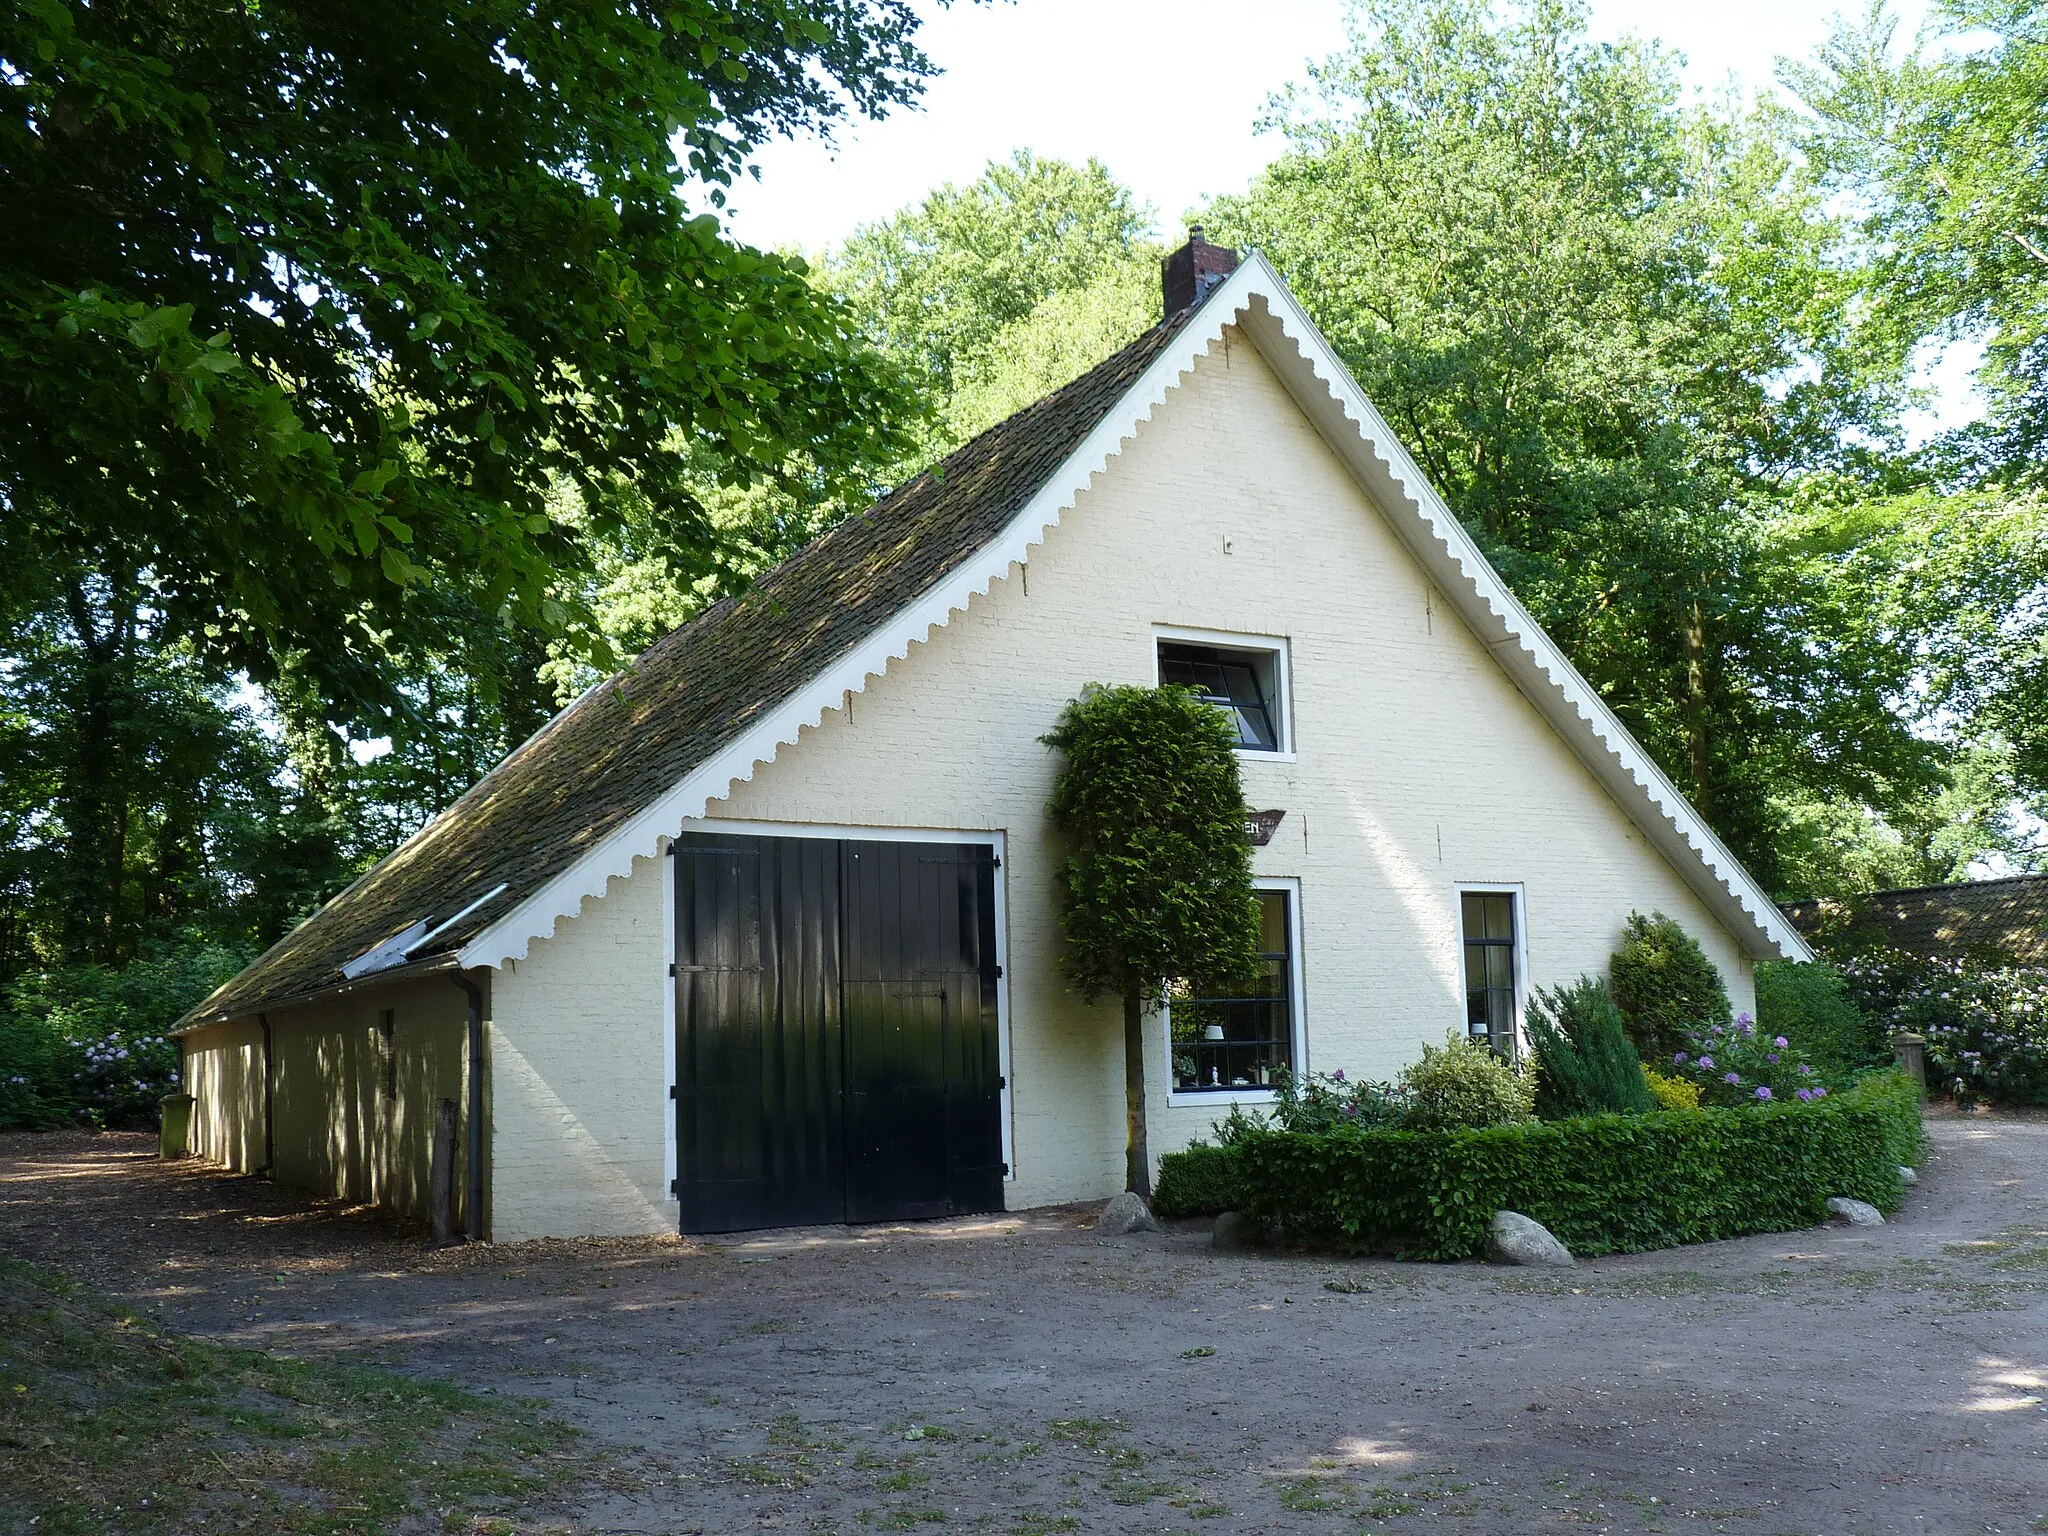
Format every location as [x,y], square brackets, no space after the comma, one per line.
[1018,1374]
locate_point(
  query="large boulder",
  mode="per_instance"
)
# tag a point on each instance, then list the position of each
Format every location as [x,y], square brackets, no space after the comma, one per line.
[1518,1239]
[1126,1213]
[1856,1213]
[1233,1230]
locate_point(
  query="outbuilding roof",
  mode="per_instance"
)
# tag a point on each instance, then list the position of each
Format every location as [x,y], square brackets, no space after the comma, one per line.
[622,767]
[2007,917]
[629,739]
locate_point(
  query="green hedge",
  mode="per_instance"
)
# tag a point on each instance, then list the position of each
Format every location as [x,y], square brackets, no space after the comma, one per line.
[1198,1181]
[1602,1184]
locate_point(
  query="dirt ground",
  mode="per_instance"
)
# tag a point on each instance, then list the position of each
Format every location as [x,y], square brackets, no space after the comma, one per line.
[1020,1374]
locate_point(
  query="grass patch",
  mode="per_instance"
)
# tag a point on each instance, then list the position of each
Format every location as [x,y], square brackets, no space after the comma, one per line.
[108,1423]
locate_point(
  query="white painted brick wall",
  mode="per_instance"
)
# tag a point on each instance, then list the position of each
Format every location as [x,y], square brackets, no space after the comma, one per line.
[1420,766]
[579,1076]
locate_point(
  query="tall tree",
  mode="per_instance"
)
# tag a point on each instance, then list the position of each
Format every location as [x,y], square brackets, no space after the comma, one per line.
[310,316]
[1945,149]
[1615,332]
[996,292]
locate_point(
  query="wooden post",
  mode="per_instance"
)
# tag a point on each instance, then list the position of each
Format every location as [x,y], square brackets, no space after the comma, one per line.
[1909,1051]
[441,1175]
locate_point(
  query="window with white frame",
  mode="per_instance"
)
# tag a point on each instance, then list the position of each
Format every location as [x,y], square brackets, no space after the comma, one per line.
[1492,944]
[1244,678]
[1239,1039]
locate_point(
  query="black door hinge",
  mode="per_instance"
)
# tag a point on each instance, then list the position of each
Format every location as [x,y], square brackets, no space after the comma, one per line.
[1006,1170]
[999,973]
[675,1189]
[1002,1083]
[996,862]
[674,1089]
[671,967]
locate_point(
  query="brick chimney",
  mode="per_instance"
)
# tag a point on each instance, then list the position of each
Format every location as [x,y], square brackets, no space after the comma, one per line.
[1190,272]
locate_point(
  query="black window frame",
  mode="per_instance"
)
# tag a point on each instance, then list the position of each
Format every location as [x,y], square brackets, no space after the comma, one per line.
[1502,1028]
[1195,1058]
[1267,674]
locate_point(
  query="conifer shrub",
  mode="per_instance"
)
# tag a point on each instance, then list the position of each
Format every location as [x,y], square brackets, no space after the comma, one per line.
[1665,986]
[1584,1062]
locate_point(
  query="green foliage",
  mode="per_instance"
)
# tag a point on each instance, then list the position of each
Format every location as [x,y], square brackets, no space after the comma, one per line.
[1199,1180]
[1810,1005]
[1463,1084]
[403,272]
[1665,986]
[1615,331]
[939,282]
[87,1043]
[1584,1063]
[1158,882]
[1602,1184]
[1940,148]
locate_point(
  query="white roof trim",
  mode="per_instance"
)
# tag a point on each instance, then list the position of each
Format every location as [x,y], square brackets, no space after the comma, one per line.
[1255,297]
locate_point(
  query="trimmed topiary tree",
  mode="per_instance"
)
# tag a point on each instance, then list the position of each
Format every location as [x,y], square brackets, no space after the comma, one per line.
[1665,986]
[1585,1065]
[1158,884]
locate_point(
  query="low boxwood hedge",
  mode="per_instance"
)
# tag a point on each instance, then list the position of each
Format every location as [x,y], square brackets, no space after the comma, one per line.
[1603,1184]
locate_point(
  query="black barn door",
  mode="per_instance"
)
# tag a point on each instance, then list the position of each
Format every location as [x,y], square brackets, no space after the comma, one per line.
[836,1054]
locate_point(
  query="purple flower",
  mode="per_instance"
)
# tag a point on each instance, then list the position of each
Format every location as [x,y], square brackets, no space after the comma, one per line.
[1772,1057]
[1763,1093]
[1706,1063]
[1820,1093]
[1742,1018]
[1781,1042]
[1678,1058]
[1732,1079]
[1805,1070]
[1338,1075]
[1806,1095]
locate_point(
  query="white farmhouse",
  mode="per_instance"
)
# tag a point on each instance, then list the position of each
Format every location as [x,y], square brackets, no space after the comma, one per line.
[764,930]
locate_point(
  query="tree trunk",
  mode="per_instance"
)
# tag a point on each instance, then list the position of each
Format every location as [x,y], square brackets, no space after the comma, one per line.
[1137,1160]
[1696,737]
[92,800]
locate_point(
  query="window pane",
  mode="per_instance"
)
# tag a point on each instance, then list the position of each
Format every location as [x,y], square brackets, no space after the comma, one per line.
[1237,1037]
[1233,681]
[1489,934]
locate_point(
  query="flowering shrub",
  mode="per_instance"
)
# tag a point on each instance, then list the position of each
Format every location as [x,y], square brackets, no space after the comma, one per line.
[1736,1065]
[1317,1101]
[1986,1020]
[1671,1092]
[88,1044]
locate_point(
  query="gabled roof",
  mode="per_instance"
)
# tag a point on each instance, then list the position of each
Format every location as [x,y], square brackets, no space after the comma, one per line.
[626,764]
[2006,917]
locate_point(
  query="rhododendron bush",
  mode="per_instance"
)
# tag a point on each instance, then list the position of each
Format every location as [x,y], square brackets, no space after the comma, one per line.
[1985,1020]
[1735,1064]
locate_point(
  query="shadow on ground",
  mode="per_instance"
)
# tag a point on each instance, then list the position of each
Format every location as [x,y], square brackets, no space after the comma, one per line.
[1018,1374]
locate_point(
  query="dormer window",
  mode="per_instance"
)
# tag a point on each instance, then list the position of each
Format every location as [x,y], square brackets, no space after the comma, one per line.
[1247,681]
